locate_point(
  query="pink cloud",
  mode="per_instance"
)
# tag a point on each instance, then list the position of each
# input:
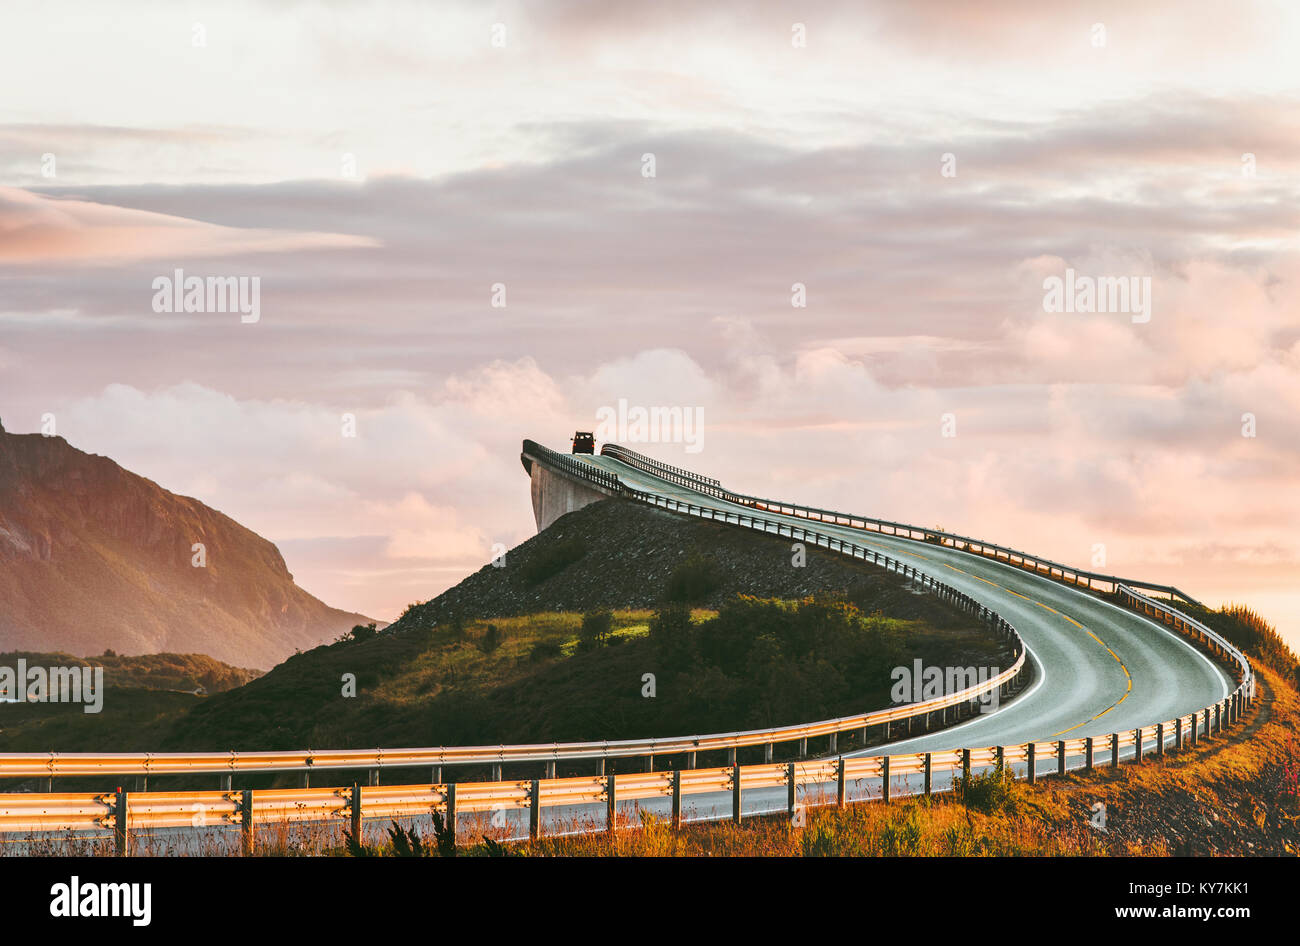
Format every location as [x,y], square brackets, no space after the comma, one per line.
[36,228]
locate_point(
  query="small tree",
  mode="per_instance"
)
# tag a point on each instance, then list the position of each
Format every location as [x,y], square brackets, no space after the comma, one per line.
[672,634]
[596,627]
[490,640]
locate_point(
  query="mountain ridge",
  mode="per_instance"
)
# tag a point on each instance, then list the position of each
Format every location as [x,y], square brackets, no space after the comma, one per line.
[95,557]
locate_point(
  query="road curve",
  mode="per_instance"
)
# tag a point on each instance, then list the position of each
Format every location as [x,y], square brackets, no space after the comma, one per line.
[1098,668]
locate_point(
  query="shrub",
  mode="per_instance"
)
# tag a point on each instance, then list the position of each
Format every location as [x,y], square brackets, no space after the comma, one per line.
[989,792]
[551,561]
[490,640]
[544,650]
[694,579]
[595,631]
[672,634]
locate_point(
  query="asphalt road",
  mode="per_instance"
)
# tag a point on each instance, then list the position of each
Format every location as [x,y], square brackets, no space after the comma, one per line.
[1098,668]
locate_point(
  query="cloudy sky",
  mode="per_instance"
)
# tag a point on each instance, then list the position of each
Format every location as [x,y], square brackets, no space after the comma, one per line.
[380,166]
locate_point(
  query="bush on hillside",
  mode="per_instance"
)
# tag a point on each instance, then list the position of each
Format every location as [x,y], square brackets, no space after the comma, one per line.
[596,628]
[551,561]
[694,579]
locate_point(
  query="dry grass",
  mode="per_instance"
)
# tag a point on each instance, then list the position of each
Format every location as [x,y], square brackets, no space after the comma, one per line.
[1230,795]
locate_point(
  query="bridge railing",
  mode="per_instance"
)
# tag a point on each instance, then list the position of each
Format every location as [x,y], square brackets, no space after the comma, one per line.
[673,474]
[1035,563]
[532,808]
[574,468]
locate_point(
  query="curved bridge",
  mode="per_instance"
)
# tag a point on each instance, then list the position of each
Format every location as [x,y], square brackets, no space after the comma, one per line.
[1100,667]
[1109,669]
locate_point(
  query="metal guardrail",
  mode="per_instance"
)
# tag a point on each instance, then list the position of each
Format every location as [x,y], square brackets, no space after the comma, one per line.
[609,482]
[1190,627]
[836,781]
[1035,563]
[127,813]
[673,474]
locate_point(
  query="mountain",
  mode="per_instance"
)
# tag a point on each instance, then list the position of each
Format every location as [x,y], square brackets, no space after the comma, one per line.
[94,557]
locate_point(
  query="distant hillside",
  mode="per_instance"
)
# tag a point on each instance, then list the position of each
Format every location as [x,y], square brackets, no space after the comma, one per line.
[186,672]
[93,557]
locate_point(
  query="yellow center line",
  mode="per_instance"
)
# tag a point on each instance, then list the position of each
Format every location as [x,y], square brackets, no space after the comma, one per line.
[1127,677]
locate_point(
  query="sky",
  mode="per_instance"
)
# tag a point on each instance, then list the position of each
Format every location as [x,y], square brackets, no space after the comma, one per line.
[643,185]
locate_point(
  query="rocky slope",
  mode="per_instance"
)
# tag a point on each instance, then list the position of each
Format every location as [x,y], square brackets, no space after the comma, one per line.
[618,554]
[94,557]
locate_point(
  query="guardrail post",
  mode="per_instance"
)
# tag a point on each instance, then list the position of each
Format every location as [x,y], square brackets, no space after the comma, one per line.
[1114,750]
[1178,733]
[884,778]
[650,763]
[451,812]
[790,791]
[731,756]
[735,795]
[1160,740]
[677,799]
[611,804]
[1000,756]
[965,764]
[833,746]
[1032,775]
[496,771]
[690,760]
[1193,730]
[354,805]
[246,826]
[374,776]
[225,782]
[862,737]
[1137,745]
[1060,757]
[436,775]
[1209,733]
[927,774]
[767,752]
[1087,754]
[535,810]
[549,769]
[803,748]
[839,784]
[121,839]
